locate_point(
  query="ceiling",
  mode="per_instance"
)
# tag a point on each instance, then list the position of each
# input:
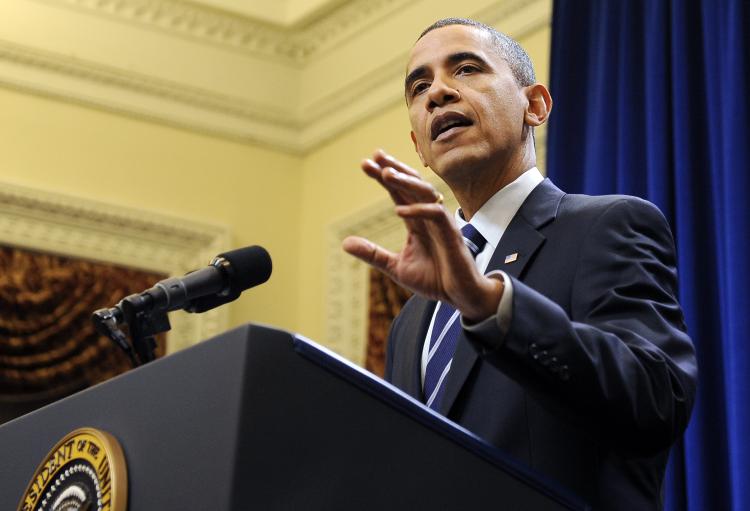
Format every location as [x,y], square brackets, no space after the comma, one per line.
[282,13]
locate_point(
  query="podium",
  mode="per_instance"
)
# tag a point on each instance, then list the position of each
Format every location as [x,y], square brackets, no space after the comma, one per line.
[258,418]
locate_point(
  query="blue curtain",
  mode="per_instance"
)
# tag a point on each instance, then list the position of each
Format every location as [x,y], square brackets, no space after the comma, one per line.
[651,99]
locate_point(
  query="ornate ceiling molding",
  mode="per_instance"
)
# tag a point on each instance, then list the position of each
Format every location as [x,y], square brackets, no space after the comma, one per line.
[296,126]
[61,224]
[142,84]
[295,43]
[153,99]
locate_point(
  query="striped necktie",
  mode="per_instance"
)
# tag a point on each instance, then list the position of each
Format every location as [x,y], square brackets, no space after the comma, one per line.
[445,331]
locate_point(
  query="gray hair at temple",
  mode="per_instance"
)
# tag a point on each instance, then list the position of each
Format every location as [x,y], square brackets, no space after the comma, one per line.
[508,49]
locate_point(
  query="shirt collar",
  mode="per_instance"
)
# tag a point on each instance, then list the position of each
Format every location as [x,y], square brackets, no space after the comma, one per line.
[495,215]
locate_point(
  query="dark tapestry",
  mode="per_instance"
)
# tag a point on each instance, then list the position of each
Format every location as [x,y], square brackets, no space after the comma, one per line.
[48,346]
[386,300]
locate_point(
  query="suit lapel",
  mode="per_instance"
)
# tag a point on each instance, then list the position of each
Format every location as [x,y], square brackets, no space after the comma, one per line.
[522,238]
[409,377]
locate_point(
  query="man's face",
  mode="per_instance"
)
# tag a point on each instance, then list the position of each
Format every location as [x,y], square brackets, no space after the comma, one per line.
[465,107]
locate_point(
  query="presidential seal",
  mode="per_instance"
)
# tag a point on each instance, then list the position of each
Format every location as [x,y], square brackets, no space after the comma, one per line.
[85,471]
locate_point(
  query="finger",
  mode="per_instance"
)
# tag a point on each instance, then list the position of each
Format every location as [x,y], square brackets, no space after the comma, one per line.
[425,211]
[438,223]
[374,171]
[412,187]
[386,160]
[369,252]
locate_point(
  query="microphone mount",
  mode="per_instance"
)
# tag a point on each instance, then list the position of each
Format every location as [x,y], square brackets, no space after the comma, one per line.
[143,325]
[105,322]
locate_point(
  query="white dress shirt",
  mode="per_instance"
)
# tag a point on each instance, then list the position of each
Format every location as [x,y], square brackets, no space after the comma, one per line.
[491,221]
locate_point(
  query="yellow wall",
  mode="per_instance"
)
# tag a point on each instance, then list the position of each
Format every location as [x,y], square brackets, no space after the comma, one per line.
[334,186]
[80,151]
[285,203]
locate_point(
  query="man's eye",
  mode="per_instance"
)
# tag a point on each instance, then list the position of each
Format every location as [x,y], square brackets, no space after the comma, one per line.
[467,68]
[419,88]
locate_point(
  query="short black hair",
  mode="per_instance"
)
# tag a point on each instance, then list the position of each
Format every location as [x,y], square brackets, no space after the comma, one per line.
[508,49]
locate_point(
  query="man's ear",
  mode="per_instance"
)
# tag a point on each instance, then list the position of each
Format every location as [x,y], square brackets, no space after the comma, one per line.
[540,104]
[416,148]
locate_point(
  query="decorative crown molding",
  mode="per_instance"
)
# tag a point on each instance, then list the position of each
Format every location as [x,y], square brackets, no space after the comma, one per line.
[153,99]
[61,224]
[296,126]
[131,81]
[294,43]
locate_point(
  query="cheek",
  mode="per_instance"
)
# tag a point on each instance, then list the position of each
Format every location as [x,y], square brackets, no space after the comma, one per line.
[418,127]
[504,115]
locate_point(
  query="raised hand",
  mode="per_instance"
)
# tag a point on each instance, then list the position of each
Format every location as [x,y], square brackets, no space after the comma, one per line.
[434,261]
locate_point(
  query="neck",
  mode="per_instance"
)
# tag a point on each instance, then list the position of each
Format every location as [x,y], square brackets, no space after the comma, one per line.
[472,193]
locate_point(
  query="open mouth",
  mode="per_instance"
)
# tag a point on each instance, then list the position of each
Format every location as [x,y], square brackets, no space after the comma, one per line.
[446,124]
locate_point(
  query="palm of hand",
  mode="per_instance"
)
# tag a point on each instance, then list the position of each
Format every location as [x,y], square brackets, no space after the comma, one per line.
[434,261]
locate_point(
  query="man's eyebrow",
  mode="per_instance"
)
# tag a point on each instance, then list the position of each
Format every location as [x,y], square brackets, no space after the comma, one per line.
[465,55]
[454,58]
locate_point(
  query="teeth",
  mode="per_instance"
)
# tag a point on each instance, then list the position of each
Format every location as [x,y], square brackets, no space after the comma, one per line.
[450,125]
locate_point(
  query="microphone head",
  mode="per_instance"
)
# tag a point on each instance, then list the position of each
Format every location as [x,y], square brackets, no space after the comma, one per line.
[246,267]
[249,266]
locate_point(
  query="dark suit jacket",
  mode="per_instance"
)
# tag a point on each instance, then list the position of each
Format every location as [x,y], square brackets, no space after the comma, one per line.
[595,377]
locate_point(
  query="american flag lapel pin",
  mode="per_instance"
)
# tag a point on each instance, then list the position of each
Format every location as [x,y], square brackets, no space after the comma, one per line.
[511,258]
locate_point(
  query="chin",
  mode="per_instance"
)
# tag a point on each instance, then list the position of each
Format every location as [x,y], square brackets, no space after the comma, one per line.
[456,165]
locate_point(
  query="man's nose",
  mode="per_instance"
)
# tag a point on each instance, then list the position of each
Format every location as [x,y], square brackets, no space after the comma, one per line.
[441,93]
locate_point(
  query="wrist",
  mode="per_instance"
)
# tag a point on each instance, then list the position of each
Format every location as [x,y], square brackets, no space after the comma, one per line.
[484,301]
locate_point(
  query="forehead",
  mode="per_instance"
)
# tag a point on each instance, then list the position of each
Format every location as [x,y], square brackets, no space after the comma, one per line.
[435,45]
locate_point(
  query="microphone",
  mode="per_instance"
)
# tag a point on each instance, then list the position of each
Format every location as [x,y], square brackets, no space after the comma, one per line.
[243,268]
[225,278]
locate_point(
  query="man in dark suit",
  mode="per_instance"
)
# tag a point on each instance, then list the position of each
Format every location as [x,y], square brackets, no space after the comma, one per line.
[548,324]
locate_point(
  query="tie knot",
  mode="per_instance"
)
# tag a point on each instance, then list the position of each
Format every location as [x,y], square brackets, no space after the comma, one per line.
[473,239]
